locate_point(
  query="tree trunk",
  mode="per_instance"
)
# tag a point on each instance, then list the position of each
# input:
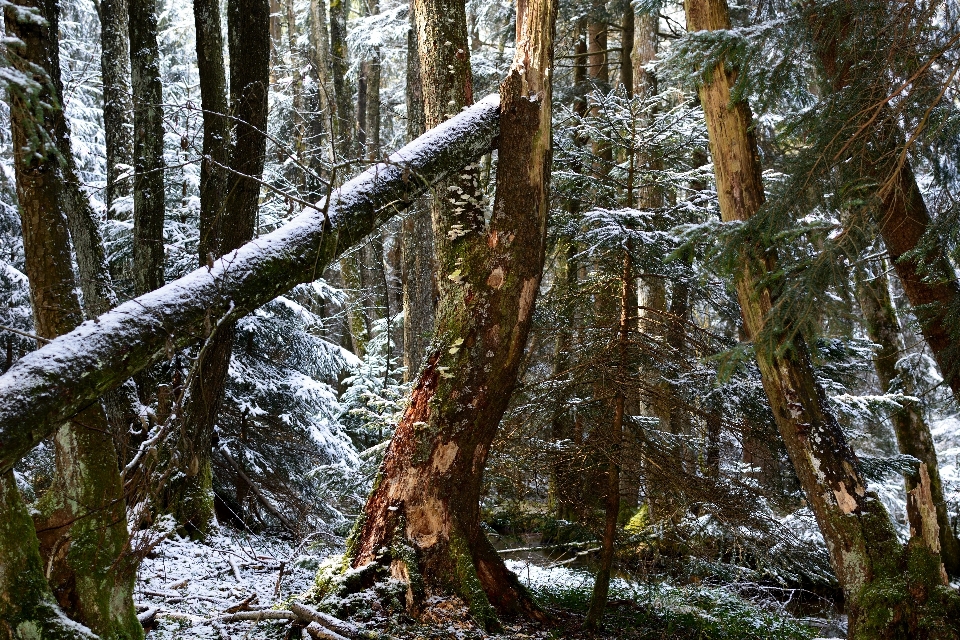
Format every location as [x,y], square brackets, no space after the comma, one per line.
[601,586]
[416,235]
[913,434]
[41,390]
[117,107]
[929,280]
[148,200]
[27,606]
[339,63]
[890,591]
[189,494]
[82,519]
[425,503]
[372,116]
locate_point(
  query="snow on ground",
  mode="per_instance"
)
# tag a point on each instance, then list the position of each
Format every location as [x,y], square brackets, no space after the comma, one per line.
[190,584]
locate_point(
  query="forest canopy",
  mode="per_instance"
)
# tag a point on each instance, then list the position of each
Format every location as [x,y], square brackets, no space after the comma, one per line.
[445,318]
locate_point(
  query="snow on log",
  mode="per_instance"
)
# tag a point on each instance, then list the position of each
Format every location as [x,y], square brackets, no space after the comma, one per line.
[49,385]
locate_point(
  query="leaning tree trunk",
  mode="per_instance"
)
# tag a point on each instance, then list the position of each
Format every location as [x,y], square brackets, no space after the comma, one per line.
[890,591]
[416,235]
[422,520]
[117,107]
[81,520]
[148,147]
[189,496]
[909,425]
[928,279]
[49,385]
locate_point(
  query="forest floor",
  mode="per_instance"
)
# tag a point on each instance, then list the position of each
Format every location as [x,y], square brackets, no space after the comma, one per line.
[187,589]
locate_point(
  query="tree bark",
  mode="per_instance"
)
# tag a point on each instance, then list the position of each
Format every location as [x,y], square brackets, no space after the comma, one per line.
[148,196]
[416,235]
[875,571]
[117,106]
[27,606]
[81,520]
[425,503]
[51,384]
[189,493]
[339,63]
[909,425]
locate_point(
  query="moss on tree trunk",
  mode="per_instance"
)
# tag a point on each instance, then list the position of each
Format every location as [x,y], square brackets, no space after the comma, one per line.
[870,563]
[422,520]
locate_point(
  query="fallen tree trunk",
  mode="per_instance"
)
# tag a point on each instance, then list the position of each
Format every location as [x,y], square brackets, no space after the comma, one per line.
[51,384]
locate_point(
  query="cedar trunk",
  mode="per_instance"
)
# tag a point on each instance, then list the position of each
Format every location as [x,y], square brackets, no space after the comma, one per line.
[890,591]
[422,520]
[81,520]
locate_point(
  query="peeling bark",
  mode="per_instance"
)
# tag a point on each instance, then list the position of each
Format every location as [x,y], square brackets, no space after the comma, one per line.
[421,522]
[909,425]
[875,571]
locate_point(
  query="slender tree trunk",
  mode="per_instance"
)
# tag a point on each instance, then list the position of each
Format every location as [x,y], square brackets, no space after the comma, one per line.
[148,196]
[339,63]
[627,39]
[427,497]
[913,434]
[117,106]
[416,235]
[81,520]
[372,116]
[869,561]
[601,586]
[190,494]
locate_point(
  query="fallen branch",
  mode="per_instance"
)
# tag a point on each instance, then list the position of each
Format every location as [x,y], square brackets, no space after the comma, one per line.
[340,627]
[319,632]
[256,616]
[47,386]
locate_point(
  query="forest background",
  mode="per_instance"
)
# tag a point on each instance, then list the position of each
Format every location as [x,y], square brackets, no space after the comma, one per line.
[747,317]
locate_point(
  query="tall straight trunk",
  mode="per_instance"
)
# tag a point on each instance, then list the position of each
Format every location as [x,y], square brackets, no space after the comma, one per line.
[117,106]
[427,497]
[148,200]
[319,37]
[190,493]
[416,235]
[601,586]
[598,68]
[339,63]
[186,495]
[627,36]
[360,115]
[372,116]
[909,425]
[875,571]
[81,520]
[41,391]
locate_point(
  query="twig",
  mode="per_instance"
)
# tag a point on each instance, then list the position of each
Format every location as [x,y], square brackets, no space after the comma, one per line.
[25,334]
